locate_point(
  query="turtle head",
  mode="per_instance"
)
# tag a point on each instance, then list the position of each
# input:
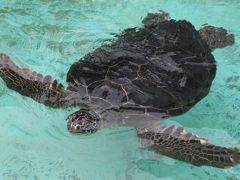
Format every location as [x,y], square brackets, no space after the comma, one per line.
[216,37]
[83,121]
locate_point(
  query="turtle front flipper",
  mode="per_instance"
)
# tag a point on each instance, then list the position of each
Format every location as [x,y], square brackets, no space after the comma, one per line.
[176,143]
[41,88]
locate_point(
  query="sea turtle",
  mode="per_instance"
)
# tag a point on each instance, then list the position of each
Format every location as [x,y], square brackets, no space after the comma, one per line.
[146,74]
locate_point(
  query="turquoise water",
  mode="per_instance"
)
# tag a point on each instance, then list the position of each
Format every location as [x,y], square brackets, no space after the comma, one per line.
[48,36]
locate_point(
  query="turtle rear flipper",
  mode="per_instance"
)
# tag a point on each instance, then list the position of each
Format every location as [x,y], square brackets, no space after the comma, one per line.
[41,88]
[175,142]
[216,37]
[152,19]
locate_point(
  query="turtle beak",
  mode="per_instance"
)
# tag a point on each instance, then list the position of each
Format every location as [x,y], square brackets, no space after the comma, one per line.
[73,127]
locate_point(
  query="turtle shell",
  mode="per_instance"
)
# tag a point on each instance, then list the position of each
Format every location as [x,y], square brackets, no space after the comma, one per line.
[163,68]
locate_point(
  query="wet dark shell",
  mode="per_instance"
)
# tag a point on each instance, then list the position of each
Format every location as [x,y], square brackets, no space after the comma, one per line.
[166,67]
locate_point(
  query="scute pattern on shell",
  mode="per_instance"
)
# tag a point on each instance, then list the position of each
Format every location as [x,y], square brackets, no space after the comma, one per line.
[165,67]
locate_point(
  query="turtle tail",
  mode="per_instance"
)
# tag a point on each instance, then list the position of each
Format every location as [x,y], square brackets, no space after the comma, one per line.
[175,142]
[42,89]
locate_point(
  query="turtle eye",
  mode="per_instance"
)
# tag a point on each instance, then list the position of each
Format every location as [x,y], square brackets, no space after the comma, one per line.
[78,127]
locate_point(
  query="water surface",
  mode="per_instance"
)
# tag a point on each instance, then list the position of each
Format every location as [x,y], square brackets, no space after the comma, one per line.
[48,36]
